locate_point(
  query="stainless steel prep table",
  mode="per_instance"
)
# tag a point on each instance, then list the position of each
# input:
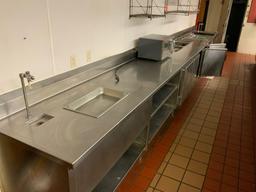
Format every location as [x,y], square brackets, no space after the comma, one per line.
[69,138]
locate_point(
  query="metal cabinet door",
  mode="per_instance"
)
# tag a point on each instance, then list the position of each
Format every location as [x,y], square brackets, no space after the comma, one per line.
[189,78]
[213,60]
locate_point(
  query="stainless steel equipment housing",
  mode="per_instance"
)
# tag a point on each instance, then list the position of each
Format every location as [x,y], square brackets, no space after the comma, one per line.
[154,47]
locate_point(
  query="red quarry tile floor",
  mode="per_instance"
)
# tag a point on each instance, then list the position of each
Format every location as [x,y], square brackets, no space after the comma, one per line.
[210,144]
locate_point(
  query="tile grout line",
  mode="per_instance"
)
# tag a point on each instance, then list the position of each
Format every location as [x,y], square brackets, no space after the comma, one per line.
[217,95]
[211,150]
[196,105]
[212,145]
[173,153]
[190,157]
[222,172]
[204,120]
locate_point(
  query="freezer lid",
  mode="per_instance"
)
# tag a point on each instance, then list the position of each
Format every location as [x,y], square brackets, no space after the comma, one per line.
[218,46]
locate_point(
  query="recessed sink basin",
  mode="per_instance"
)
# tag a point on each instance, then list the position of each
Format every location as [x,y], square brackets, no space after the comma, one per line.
[97,102]
[39,120]
[177,48]
[179,45]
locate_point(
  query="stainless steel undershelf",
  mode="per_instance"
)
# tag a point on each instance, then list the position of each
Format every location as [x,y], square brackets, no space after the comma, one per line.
[114,177]
[162,96]
[159,119]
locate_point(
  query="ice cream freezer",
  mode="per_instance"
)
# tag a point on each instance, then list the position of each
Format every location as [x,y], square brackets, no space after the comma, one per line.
[212,60]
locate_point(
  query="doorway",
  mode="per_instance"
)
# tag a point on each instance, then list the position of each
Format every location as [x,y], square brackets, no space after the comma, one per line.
[202,15]
[235,24]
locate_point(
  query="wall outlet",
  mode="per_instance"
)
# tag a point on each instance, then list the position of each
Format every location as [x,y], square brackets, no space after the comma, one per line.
[88,56]
[72,62]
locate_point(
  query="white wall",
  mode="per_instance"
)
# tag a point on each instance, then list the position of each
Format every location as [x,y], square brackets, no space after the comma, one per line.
[19,20]
[49,37]
[247,42]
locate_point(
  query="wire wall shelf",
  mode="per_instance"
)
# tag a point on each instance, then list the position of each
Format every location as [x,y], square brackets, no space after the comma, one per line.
[148,8]
[160,8]
[186,7]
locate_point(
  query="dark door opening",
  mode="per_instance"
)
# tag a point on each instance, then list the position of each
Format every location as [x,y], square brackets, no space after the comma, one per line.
[235,24]
[202,15]
[205,13]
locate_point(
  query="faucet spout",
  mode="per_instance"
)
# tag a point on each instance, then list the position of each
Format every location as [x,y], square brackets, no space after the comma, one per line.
[29,78]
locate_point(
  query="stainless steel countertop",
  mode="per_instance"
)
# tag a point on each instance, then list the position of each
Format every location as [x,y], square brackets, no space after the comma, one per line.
[70,136]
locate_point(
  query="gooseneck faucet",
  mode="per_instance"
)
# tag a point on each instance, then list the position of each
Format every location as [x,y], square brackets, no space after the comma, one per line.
[29,78]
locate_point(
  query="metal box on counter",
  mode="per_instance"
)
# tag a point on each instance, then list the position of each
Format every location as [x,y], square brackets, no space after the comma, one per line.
[154,47]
